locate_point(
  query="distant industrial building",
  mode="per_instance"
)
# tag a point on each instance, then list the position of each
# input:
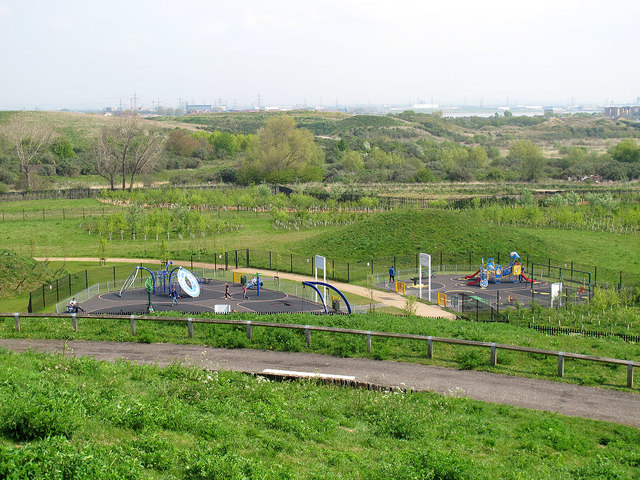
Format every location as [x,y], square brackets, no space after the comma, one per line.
[617,112]
[203,108]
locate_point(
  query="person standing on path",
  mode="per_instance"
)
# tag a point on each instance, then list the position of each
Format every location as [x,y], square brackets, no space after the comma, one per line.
[244,292]
[392,274]
[227,294]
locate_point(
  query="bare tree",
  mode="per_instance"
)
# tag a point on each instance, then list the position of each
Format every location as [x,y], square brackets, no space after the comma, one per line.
[105,160]
[30,140]
[126,148]
[144,152]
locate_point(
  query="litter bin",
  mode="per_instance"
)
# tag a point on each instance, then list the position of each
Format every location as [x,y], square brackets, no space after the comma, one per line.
[336,304]
[243,280]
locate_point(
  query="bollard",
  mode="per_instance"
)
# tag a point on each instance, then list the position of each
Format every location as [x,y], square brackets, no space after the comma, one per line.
[307,335]
[561,364]
[190,327]
[429,347]
[368,342]
[17,319]
[74,321]
[494,355]
[133,325]
[249,331]
[630,374]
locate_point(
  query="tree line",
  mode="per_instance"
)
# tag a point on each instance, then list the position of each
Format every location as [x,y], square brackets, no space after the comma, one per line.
[281,152]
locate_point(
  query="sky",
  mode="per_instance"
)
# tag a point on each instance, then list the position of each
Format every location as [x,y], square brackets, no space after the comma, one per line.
[83,54]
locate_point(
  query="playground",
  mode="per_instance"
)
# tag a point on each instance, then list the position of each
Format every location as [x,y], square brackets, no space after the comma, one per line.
[176,289]
[211,299]
[494,285]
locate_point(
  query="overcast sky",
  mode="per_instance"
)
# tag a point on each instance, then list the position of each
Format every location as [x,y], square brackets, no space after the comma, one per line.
[84,53]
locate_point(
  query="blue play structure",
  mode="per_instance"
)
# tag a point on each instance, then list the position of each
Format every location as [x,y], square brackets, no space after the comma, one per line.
[496,273]
[324,303]
[163,280]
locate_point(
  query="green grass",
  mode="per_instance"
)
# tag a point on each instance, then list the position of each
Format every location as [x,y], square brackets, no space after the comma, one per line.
[126,421]
[511,363]
[609,252]
[410,231]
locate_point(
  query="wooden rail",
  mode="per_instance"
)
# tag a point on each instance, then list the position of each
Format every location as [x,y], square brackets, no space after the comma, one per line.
[249,324]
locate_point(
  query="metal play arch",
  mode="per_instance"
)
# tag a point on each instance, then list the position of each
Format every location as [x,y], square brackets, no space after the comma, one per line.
[324,303]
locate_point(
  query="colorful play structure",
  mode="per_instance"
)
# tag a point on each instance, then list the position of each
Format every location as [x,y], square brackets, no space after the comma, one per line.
[189,283]
[496,273]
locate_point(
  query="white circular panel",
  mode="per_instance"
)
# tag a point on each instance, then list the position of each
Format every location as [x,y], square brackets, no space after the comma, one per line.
[188,283]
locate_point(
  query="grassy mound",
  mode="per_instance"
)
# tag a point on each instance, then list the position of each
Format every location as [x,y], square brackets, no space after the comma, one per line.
[19,274]
[409,231]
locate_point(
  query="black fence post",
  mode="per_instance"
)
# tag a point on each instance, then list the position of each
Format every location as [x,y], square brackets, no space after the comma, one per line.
[248,263]
[86,278]
[291,262]
[44,300]
[620,282]
[394,262]
[69,284]
[372,267]
[440,261]
[571,270]
[498,301]
[114,273]
[236,259]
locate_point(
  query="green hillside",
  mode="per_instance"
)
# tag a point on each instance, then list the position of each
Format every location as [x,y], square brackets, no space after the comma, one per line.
[19,274]
[410,231]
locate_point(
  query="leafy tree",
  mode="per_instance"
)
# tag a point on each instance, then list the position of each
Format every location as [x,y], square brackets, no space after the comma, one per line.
[352,161]
[63,149]
[181,143]
[282,153]
[529,158]
[627,151]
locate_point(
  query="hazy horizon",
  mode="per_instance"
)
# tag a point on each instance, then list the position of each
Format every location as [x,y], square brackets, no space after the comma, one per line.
[81,55]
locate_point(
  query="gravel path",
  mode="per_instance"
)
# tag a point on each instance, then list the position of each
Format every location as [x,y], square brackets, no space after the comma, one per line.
[562,398]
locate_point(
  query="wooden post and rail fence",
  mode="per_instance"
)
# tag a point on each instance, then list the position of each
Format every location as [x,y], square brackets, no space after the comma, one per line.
[250,324]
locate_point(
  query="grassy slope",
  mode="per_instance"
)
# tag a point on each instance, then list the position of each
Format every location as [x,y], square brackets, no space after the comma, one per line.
[410,231]
[511,363]
[608,251]
[129,421]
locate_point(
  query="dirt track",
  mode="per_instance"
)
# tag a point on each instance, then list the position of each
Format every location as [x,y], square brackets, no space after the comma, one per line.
[562,398]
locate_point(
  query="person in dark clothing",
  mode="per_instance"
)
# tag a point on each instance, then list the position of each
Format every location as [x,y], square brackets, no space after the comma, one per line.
[392,274]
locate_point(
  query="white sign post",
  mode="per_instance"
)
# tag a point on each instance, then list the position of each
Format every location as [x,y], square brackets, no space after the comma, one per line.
[424,259]
[556,292]
[321,262]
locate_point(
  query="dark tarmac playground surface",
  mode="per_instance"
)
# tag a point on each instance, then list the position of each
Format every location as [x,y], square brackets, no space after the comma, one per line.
[212,294]
[452,284]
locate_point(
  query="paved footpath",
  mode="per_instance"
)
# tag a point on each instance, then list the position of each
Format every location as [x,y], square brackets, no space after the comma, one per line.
[562,398]
[389,298]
